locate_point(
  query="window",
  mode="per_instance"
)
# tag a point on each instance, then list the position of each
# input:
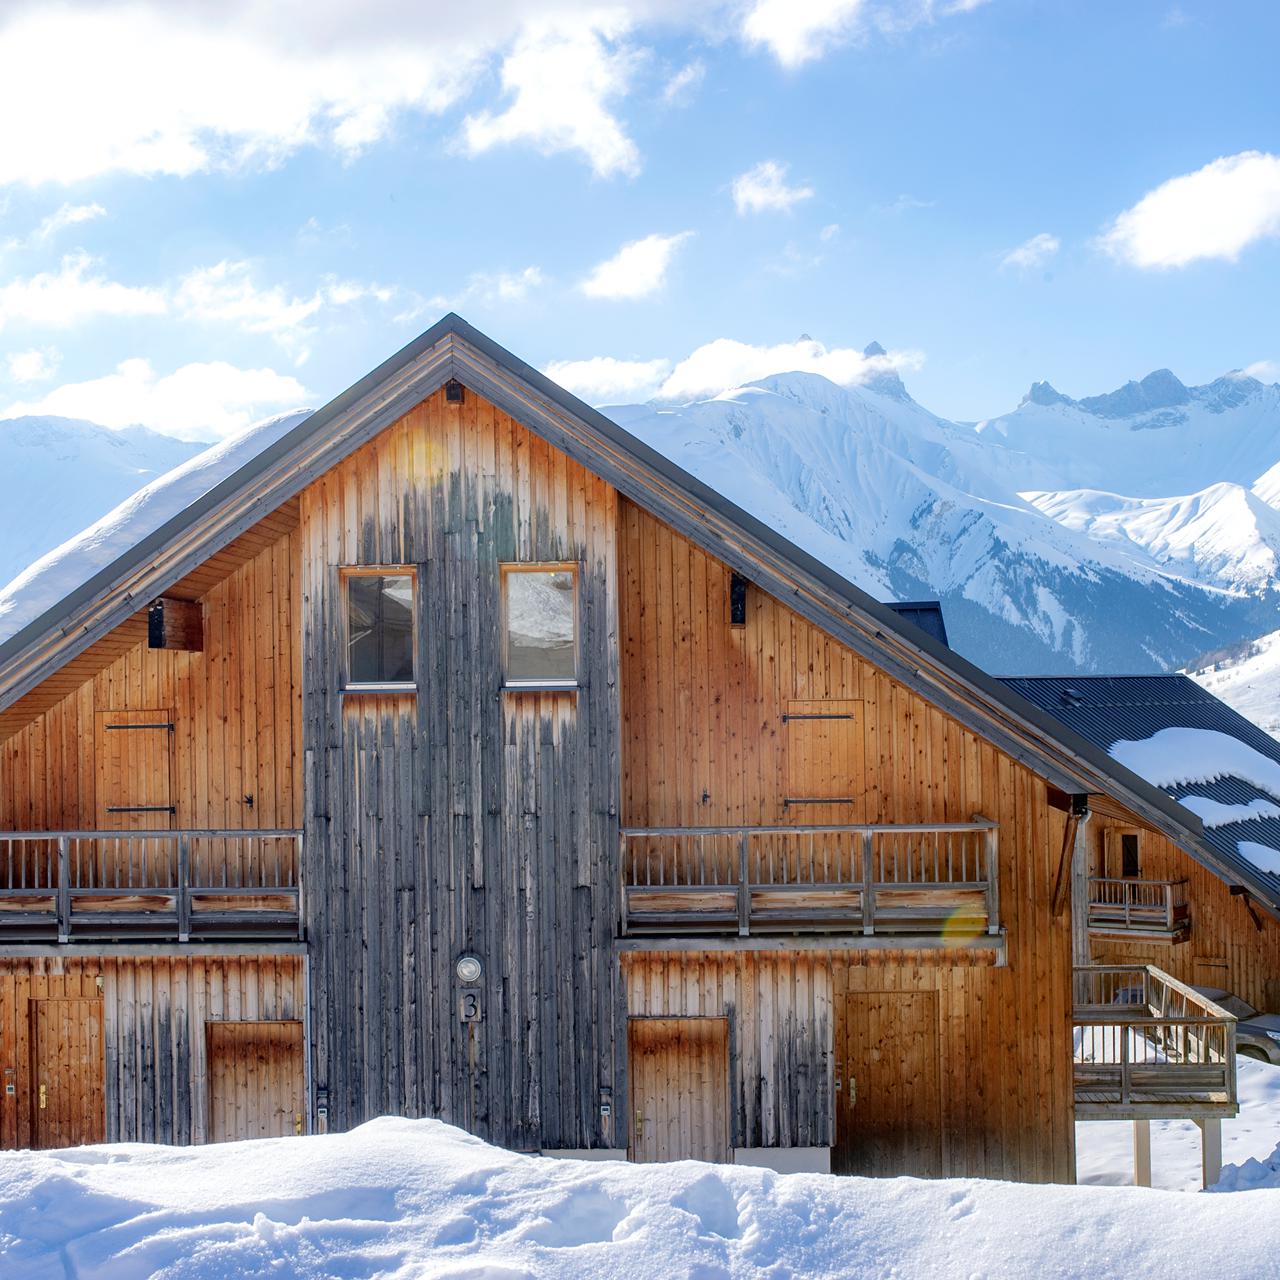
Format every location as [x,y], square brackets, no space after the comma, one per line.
[379,629]
[1129,855]
[540,619]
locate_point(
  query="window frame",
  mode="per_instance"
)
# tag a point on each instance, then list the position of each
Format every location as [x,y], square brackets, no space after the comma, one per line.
[544,685]
[345,574]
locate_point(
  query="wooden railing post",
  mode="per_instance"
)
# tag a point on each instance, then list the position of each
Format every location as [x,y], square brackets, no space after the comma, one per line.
[992,846]
[868,887]
[623,880]
[744,888]
[297,871]
[1124,1064]
[64,889]
[184,888]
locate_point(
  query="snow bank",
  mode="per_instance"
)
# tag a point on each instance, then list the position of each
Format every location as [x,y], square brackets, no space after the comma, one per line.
[397,1199]
[55,575]
[1180,755]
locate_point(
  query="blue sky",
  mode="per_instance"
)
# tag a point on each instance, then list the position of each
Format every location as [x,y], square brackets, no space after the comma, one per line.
[212,212]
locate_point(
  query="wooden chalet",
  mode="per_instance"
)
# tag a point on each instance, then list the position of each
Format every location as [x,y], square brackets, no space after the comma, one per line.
[461,756]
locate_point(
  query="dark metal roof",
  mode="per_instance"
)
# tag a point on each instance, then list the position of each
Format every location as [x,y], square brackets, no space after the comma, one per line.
[925,614]
[1110,709]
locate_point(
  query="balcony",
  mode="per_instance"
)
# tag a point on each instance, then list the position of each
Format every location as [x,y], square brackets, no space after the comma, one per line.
[149,886]
[1148,909]
[925,885]
[1148,1047]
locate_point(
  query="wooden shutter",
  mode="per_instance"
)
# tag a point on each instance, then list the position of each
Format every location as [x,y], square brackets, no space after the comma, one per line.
[823,752]
[135,769]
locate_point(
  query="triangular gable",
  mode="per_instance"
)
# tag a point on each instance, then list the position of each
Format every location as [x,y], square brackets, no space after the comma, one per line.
[453,349]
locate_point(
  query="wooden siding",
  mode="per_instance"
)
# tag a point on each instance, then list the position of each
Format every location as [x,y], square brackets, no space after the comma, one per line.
[1224,947]
[235,707]
[153,1040]
[461,818]
[711,697]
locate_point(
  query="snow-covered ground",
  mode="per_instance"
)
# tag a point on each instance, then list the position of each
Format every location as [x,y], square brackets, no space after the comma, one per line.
[401,1199]
[1104,1148]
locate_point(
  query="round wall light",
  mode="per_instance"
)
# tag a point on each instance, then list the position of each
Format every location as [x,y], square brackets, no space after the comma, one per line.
[469,968]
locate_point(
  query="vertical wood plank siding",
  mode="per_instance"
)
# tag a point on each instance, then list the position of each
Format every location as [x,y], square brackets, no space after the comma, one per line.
[154,1041]
[236,709]
[1221,927]
[711,697]
[462,819]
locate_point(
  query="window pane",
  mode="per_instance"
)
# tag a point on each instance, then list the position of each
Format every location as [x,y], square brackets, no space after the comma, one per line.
[380,629]
[540,625]
[1129,855]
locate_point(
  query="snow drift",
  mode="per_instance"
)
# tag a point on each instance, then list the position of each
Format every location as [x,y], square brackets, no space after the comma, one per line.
[396,1199]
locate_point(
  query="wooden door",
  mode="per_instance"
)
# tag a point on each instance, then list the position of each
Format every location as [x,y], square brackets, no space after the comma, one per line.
[255,1080]
[135,769]
[679,1089]
[888,1114]
[67,1072]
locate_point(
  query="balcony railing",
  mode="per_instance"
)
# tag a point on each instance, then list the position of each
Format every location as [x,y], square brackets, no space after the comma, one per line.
[179,885]
[936,878]
[1147,1046]
[1142,907]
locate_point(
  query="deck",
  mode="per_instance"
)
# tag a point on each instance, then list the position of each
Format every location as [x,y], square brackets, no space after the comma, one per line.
[1147,1047]
[150,886]
[922,881]
[1153,910]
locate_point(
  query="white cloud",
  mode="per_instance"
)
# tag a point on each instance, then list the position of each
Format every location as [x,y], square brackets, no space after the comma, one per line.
[69,215]
[684,84]
[1263,370]
[504,286]
[829,232]
[190,403]
[1215,212]
[764,189]
[37,365]
[725,363]
[606,380]
[226,293]
[796,31]
[637,270]
[1032,253]
[562,79]
[76,291]
[150,88]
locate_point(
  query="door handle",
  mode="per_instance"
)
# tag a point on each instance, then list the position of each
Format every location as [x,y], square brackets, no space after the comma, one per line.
[44,1096]
[639,1124]
[297,1122]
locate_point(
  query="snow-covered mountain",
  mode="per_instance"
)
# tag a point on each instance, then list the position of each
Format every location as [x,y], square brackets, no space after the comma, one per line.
[1038,567]
[61,474]
[1125,532]
[1246,677]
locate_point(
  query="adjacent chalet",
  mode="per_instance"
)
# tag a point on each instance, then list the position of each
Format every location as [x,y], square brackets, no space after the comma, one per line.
[459,755]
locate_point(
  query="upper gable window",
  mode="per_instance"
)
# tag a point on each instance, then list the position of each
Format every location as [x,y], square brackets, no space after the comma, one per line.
[540,625]
[380,629]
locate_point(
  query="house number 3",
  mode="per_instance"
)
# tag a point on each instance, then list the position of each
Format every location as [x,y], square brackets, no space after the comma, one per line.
[469,1006]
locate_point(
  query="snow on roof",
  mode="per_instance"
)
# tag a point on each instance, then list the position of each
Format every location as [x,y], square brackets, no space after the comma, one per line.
[1213,813]
[1263,856]
[1178,755]
[58,573]
[401,1198]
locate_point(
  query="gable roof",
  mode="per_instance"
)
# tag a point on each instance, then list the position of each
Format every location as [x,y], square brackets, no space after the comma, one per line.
[453,349]
[1111,709]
